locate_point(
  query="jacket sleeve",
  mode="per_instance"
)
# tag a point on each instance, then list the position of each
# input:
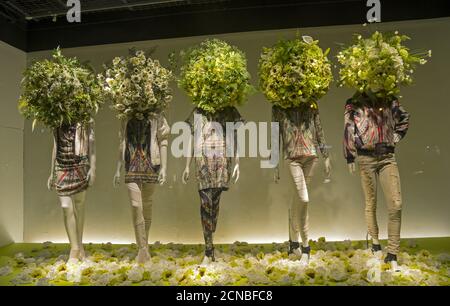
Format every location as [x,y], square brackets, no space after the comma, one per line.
[276,117]
[401,118]
[163,131]
[320,136]
[349,134]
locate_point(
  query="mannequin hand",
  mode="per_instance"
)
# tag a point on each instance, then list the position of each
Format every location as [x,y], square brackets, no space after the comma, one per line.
[352,168]
[276,175]
[162,176]
[50,182]
[116,179]
[91,176]
[236,173]
[328,167]
[185,176]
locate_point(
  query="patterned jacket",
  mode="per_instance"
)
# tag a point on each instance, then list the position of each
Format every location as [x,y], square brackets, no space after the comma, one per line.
[159,131]
[301,132]
[212,156]
[368,124]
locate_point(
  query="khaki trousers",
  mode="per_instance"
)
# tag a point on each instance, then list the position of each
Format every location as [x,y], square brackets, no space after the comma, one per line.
[383,169]
[302,170]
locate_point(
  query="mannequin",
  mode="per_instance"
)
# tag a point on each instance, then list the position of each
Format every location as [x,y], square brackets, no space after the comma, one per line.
[302,137]
[143,150]
[213,167]
[373,127]
[72,171]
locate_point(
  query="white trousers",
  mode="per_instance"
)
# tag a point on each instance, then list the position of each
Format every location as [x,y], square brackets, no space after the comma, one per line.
[302,171]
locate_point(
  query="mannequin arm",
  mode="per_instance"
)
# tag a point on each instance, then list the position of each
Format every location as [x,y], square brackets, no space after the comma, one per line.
[185,176]
[236,171]
[276,174]
[351,168]
[163,153]
[51,179]
[276,117]
[116,180]
[349,134]
[92,154]
[401,117]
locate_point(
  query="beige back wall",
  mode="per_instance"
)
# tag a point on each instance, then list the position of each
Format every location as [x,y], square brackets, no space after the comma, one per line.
[12,63]
[256,208]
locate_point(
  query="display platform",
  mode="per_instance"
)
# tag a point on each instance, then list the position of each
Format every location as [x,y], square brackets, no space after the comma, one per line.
[423,261]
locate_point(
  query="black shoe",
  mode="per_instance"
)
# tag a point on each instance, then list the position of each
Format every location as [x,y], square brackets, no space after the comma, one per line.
[293,245]
[390,257]
[376,247]
[306,250]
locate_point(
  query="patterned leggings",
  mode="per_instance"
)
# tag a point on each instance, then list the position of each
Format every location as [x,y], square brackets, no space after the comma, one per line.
[209,210]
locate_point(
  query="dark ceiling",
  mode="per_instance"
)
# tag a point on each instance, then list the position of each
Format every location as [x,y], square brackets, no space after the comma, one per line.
[38,10]
[33,25]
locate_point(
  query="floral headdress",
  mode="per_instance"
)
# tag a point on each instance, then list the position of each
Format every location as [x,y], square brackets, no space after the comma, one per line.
[59,91]
[379,65]
[137,85]
[214,75]
[294,72]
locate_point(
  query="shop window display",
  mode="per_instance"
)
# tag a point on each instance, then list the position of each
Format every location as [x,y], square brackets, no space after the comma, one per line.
[332,165]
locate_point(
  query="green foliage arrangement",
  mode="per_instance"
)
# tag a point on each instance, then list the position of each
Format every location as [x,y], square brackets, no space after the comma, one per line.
[214,75]
[59,91]
[294,72]
[137,85]
[379,64]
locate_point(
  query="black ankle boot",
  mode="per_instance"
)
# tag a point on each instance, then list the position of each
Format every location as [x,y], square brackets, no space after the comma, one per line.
[293,245]
[376,247]
[390,257]
[306,250]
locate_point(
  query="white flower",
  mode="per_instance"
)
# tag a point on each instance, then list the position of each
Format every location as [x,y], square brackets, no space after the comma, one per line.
[102,279]
[22,278]
[43,282]
[135,274]
[6,270]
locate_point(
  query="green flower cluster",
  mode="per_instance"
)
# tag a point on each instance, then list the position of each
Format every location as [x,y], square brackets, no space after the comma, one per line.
[379,64]
[293,72]
[59,91]
[214,75]
[137,85]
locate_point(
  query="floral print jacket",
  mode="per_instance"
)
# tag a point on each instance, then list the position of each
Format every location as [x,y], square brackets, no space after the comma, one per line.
[368,124]
[301,131]
[212,156]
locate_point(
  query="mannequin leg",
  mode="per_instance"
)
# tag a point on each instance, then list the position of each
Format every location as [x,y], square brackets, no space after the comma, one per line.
[147,206]
[368,173]
[71,223]
[134,191]
[209,211]
[390,183]
[79,209]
